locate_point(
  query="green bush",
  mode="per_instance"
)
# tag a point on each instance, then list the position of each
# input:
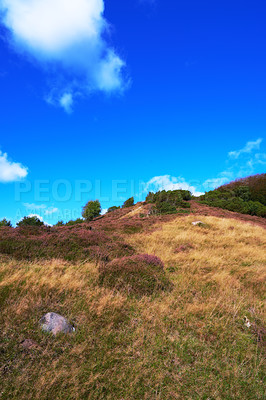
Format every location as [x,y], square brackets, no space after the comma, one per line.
[91,210]
[129,202]
[114,208]
[75,222]
[237,198]
[30,221]
[169,202]
[150,198]
[59,223]
[5,222]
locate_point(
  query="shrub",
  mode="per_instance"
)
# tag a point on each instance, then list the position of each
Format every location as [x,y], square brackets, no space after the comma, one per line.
[167,202]
[30,221]
[150,198]
[255,185]
[75,222]
[91,210]
[237,197]
[114,208]
[71,243]
[59,223]
[4,222]
[129,202]
[139,275]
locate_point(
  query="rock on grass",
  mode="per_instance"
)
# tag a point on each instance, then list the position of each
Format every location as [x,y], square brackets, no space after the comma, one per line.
[55,323]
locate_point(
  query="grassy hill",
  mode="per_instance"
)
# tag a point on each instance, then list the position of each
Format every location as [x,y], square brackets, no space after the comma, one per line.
[187,339]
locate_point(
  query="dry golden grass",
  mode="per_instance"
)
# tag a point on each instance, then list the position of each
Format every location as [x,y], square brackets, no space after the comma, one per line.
[190,343]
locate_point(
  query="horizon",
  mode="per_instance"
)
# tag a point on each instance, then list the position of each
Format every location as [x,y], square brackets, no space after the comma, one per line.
[140,96]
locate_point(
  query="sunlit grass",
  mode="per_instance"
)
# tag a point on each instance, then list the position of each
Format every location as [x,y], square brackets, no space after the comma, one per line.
[187,343]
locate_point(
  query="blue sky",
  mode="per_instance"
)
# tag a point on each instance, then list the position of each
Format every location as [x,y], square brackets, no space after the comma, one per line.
[108,99]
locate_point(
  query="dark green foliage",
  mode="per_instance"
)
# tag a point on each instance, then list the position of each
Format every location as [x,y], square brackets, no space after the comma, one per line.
[30,221]
[129,202]
[59,223]
[150,198]
[114,208]
[256,185]
[91,210]
[168,202]
[5,222]
[75,222]
[139,275]
[240,196]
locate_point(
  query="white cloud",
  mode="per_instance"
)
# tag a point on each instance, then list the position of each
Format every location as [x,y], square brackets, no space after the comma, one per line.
[240,164]
[47,210]
[168,182]
[66,36]
[32,206]
[11,171]
[66,101]
[214,183]
[248,148]
[51,210]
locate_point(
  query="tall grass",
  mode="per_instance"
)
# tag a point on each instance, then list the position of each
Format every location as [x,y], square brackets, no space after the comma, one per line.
[189,343]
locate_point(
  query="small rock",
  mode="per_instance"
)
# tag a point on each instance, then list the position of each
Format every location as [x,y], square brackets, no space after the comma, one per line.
[195,223]
[55,323]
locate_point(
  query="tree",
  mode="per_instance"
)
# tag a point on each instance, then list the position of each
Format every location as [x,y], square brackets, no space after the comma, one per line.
[150,198]
[91,210]
[5,222]
[30,221]
[129,202]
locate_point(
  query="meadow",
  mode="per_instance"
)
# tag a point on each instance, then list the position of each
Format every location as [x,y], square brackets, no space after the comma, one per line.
[190,342]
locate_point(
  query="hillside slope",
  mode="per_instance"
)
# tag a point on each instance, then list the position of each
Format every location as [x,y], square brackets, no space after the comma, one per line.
[191,342]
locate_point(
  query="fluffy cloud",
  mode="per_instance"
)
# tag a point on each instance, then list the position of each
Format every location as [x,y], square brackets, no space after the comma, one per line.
[66,101]
[47,210]
[51,210]
[11,171]
[168,182]
[32,206]
[248,148]
[66,36]
[240,163]
[214,183]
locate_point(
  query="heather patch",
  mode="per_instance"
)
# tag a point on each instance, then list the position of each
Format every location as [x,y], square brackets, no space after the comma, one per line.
[69,243]
[141,274]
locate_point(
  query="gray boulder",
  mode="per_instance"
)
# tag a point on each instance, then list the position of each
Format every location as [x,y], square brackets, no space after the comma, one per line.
[55,323]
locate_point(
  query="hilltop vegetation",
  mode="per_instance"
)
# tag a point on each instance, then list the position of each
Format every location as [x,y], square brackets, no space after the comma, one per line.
[169,202]
[246,196]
